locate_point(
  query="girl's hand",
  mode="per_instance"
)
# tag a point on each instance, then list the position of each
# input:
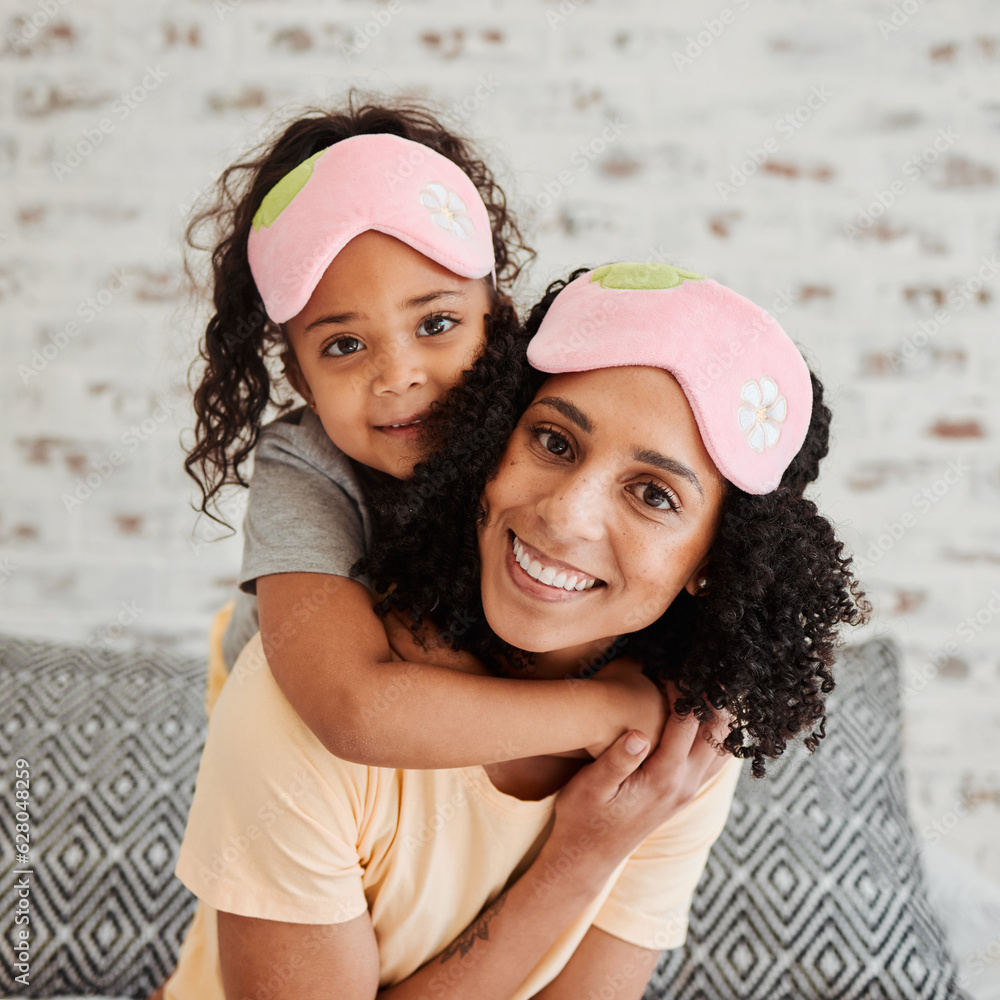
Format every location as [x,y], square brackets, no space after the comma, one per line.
[404,646]
[636,703]
[609,807]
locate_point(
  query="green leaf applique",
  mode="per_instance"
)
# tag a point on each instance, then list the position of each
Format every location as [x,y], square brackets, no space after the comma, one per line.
[280,196]
[642,275]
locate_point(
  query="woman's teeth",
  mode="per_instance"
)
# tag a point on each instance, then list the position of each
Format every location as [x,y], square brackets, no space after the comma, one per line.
[547,575]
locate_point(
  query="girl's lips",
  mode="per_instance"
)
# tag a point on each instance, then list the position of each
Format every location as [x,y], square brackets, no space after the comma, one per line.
[535,588]
[407,433]
[406,429]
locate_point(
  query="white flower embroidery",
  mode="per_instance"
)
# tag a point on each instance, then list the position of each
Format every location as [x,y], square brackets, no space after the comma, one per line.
[447,210]
[760,413]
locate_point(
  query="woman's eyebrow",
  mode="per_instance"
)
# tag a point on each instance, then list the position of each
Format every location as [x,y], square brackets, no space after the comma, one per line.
[568,410]
[645,455]
[649,457]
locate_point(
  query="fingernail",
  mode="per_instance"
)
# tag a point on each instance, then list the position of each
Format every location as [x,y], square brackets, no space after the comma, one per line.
[635,744]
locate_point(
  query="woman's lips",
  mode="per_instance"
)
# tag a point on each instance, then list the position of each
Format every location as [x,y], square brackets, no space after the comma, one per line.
[549,579]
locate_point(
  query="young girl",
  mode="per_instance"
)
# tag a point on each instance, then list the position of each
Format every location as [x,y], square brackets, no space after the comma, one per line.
[373,252]
[676,521]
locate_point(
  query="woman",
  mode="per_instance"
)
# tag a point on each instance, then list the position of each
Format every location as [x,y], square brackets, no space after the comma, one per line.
[624,509]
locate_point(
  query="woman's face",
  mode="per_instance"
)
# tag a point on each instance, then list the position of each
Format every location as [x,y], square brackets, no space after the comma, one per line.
[604,506]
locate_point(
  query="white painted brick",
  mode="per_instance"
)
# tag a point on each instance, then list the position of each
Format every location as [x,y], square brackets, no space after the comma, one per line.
[653,189]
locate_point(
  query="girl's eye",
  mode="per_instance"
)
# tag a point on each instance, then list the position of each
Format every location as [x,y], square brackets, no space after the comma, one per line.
[657,498]
[343,345]
[434,325]
[552,442]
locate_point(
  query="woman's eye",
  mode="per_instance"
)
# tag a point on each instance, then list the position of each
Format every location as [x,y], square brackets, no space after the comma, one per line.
[553,443]
[434,325]
[656,498]
[343,345]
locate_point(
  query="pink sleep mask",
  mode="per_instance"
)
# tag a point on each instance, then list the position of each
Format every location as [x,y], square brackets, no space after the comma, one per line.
[381,182]
[746,382]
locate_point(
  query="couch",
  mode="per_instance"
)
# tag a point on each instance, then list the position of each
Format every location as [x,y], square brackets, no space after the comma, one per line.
[816,888]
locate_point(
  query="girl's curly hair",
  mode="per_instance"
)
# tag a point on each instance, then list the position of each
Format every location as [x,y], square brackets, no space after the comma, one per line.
[236,381]
[759,642]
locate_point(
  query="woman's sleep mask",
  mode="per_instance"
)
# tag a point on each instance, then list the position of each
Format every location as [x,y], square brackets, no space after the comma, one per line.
[381,182]
[745,380]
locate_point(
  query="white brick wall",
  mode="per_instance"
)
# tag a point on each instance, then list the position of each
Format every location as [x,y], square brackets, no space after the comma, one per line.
[550,79]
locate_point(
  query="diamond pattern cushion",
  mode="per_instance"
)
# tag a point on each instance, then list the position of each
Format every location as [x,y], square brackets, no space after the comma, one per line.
[113,742]
[815,889]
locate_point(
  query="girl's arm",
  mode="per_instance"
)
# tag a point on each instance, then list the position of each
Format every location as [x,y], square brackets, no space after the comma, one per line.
[496,953]
[329,655]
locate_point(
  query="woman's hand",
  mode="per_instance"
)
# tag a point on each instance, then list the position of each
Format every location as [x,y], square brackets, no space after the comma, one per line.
[405,647]
[609,807]
[636,703]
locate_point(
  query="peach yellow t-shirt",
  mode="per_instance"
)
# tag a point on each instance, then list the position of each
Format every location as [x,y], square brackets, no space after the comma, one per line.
[281,829]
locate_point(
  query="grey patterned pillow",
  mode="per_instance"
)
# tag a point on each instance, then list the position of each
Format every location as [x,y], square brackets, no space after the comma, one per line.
[112,741]
[815,890]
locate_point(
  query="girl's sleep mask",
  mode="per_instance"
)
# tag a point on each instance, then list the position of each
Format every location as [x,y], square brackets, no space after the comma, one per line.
[382,182]
[745,380]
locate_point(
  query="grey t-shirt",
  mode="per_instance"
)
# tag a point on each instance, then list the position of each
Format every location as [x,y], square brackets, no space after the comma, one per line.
[306,513]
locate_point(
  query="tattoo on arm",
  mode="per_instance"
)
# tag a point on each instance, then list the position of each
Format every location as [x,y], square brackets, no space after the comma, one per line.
[477,931]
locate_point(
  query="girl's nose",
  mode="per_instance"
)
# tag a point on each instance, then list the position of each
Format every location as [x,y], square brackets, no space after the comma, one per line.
[577,509]
[395,370]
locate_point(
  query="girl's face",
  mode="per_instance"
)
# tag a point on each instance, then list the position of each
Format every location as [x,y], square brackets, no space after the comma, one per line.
[386,333]
[606,486]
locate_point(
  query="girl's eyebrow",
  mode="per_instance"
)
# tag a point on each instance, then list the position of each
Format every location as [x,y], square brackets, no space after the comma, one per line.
[416,301]
[338,318]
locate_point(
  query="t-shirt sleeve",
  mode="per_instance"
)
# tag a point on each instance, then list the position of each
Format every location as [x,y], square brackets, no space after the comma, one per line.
[306,511]
[274,826]
[649,903]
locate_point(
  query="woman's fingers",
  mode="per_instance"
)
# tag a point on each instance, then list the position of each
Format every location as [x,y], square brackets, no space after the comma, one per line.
[685,759]
[680,734]
[623,757]
[601,805]
[625,803]
[606,774]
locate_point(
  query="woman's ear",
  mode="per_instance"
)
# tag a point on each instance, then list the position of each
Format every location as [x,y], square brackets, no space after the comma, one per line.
[290,366]
[698,581]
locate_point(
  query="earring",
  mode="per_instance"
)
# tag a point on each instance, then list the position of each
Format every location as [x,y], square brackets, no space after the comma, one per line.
[702,584]
[312,406]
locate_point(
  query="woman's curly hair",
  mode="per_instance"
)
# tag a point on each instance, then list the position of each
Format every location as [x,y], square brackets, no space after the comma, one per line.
[235,385]
[758,642]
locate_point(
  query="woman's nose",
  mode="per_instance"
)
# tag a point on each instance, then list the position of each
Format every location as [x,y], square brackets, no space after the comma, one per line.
[395,370]
[577,509]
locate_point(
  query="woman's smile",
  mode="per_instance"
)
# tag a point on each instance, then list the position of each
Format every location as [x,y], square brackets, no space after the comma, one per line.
[544,577]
